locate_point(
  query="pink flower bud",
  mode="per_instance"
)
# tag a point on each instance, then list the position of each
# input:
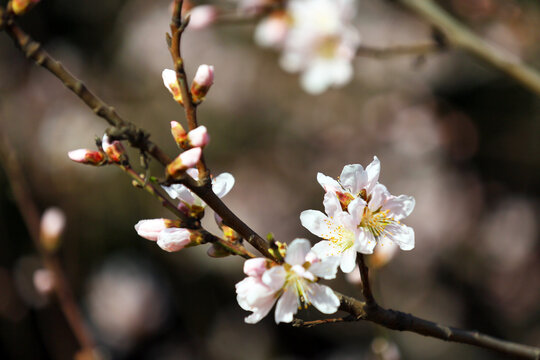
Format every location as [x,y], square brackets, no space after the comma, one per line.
[175,239]
[43,281]
[184,161]
[198,137]
[202,16]
[171,83]
[150,229]
[52,225]
[179,134]
[20,7]
[85,156]
[204,78]
[255,267]
[115,150]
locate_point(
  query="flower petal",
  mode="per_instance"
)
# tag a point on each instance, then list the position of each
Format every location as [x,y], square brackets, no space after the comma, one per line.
[373,170]
[400,206]
[222,184]
[331,204]
[403,236]
[348,260]
[352,178]
[326,268]
[275,278]
[324,299]
[323,249]
[287,306]
[255,267]
[328,183]
[174,239]
[297,251]
[315,221]
[379,195]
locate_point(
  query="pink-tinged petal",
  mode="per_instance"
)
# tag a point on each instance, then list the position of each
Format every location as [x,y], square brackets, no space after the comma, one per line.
[373,170]
[315,221]
[331,204]
[275,278]
[203,80]
[324,299]
[356,208]
[174,239]
[328,183]
[312,257]
[199,137]
[287,306]
[348,260]
[86,156]
[191,157]
[150,229]
[261,311]
[379,195]
[202,16]
[297,251]
[193,172]
[403,236]
[353,178]
[327,268]
[324,249]
[255,267]
[400,206]
[222,184]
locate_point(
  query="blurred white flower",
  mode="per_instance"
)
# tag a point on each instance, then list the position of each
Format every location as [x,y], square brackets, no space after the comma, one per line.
[294,283]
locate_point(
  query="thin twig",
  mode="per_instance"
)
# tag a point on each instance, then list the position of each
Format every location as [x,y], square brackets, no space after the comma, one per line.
[462,38]
[398,50]
[31,217]
[366,286]
[308,324]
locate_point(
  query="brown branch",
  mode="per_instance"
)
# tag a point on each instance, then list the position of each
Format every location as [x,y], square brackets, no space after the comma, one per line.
[177,29]
[462,38]
[308,324]
[398,50]
[397,320]
[366,286]
[31,216]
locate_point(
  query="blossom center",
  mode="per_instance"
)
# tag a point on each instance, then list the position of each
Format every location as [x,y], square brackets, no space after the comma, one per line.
[340,237]
[298,280]
[376,222]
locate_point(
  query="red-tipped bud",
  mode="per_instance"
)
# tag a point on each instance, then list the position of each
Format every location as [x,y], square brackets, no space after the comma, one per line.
[52,226]
[184,161]
[179,134]
[20,7]
[198,137]
[89,157]
[202,16]
[204,78]
[171,83]
[115,150]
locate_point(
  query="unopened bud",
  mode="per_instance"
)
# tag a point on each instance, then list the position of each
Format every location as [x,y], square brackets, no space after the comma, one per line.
[20,7]
[184,161]
[198,137]
[171,83]
[89,157]
[52,225]
[202,16]
[175,239]
[217,251]
[179,134]
[115,150]
[150,229]
[204,78]
[43,281]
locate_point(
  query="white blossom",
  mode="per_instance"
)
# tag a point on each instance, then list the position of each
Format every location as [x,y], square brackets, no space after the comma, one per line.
[292,284]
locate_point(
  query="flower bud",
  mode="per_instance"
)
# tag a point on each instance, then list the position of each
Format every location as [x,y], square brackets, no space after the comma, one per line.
[20,7]
[175,239]
[202,16]
[85,156]
[217,251]
[198,137]
[52,226]
[171,83]
[150,229]
[204,78]
[115,150]
[179,134]
[43,281]
[184,161]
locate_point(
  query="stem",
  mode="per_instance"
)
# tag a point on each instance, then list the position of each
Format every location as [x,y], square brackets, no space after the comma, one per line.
[398,50]
[366,286]
[460,37]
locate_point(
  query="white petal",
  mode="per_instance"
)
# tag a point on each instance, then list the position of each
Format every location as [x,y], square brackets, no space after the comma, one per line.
[174,239]
[328,183]
[331,204]
[348,260]
[255,267]
[222,184]
[287,306]
[403,236]
[400,206]
[315,79]
[365,242]
[356,208]
[315,221]
[341,72]
[326,268]
[324,299]
[275,277]
[379,195]
[297,251]
[373,170]
[323,249]
[260,312]
[353,178]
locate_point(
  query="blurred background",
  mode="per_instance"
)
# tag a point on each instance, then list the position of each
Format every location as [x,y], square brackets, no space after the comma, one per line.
[458,136]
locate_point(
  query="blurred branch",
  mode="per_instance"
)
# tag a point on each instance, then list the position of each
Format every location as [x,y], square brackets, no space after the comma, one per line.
[462,38]
[178,25]
[31,216]
[364,274]
[398,50]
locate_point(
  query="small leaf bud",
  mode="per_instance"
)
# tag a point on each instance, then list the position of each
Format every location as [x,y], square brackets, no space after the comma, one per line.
[89,157]
[184,161]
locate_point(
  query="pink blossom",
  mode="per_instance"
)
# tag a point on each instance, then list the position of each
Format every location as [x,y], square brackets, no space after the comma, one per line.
[198,137]
[202,16]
